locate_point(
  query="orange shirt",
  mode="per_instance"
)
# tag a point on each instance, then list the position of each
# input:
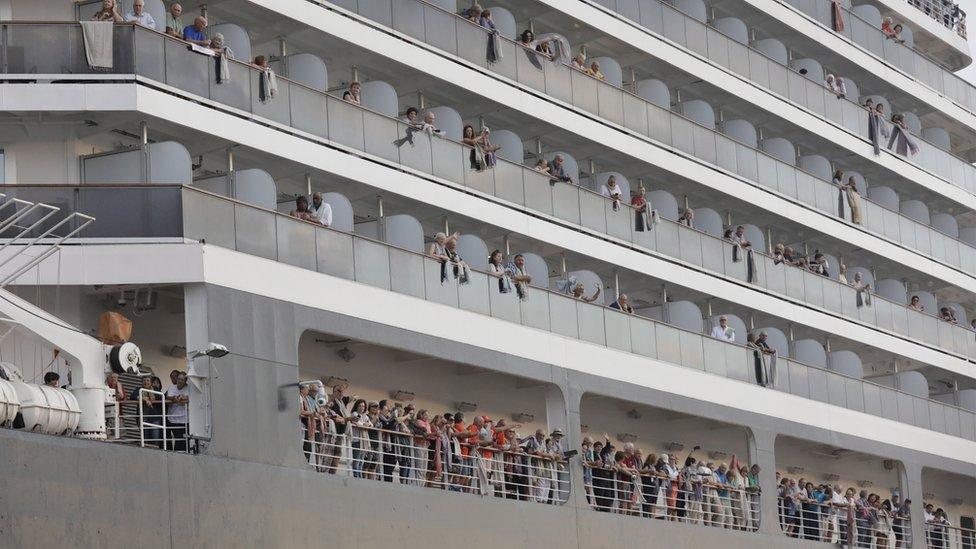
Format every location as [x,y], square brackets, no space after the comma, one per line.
[485,453]
[460,428]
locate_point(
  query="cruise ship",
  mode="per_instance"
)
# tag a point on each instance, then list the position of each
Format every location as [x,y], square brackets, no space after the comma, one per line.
[522,273]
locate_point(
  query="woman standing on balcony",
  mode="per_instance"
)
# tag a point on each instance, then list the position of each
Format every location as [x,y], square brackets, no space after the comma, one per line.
[109,12]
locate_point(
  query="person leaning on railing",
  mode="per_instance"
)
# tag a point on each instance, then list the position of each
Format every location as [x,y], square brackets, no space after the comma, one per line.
[109,12]
[151,409]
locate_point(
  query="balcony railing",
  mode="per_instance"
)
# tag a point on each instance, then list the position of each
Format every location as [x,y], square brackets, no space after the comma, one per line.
[943,12]
[220,221]
[945,536]
[467,40]
[168,60]
[845,525]
[707,41]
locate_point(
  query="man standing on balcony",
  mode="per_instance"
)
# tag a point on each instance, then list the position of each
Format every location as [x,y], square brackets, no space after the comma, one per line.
[194,33]
[140,16]
[174,23]
[321,210]
[723,331]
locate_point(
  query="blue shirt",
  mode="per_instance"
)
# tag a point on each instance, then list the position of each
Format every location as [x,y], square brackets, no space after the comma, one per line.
[722,492]
[191,33]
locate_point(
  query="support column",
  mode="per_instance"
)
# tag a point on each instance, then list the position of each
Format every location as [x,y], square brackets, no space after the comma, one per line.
[910,484]
[762,451]
[197,336]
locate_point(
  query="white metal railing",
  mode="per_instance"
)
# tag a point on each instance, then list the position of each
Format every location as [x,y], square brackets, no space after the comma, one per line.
[692,498]
[438,461]
[155,429]
[945,536]
[852,523]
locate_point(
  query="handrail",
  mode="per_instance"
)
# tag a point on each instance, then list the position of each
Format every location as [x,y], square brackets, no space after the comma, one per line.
[713,131]
[957,25]
[546,291]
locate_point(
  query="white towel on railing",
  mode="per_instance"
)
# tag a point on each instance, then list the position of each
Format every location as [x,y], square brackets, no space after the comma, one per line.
[223,65]
[98,43]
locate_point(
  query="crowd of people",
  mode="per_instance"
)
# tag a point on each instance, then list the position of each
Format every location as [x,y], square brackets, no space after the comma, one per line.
[843,516]
[396,442]
[163,413]
[658,486]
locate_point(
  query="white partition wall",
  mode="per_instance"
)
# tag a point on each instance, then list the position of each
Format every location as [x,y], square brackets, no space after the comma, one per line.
[910,382]
[811,68]
[776,339]
[342,214]
[448,121]
[694,8]
[708,220]
[754,235]
[809,351]
[686,315]
[946,224]
[570,166]
[847,363]
[736,323]
[611,70]
[742,131]
[699,111]
[537,268]
[511,144]
[938,137]
[968,234]
[869,13]
[504,22]
[308,69]
[965,399]
[893,290]
[169,163]
[774,49]
[381,97]
[817,165]
[667,205]
[886,196]
[780,148]
[654,91]
[917,210]
[590,281]
[473,251]
[253,186]
[399,230]
[734,28]
[234,36]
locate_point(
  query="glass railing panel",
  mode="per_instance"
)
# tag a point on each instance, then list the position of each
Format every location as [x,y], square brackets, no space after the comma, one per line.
[450,160]
[967,425]
[954,418]
[255,232]
[806,188]
[855,394]
[652,16]
[923,236]
[938,241]
[209,218]
[330,245]
[836,390]
[952,253]
[899,318]
[558,79]
[416,155]
[372,263]
[813,288]
[931,329]
[937,414]
[817,383]
[408,18]
[591,323]
[346,125]
[714,357]
[889,401]
[779,79]
[882,313]
[848,301]
[775,274]
[618,330]
[668,345]
[690,248]
[442,33]
[738,58]
[620,222]
[562,314]
[410,273]
[642,339]
[718,47]
[725,153]
[794,283]
[786,179]
[692,351]
[967,258]
[185,70]
[867,313]
[921,412]
[377,10]
[538,191]
[535,313]
[682,134]
[506,306]
[530,69]
[592,211]
[667,239]
[916,324]
[380,134]
[872,398]
[815,98]
[906,230]
[506,65]
[695,37]
[611,103]
[236,92]
[799,384]
[508,182]
[735,269]
[295,239]
[659,124]
[960,339]
[739,362]
[746,162]
[584,88]
[945,335]
[834,110]
[673,26]
[149,55]
[828,197]
[565,202]
[704,144]
[766,168]
[712,256]
[635,114]
[473,296]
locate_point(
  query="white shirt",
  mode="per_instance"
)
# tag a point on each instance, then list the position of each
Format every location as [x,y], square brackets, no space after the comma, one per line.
[177,411]
[610,192]
[145,19]
[323,213]
[725,334]
[838,499]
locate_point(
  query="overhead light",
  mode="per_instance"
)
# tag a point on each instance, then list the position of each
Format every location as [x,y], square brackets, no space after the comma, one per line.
[928,496]
[795,470]
[717,455]
[402,396]
[865,483]
[674,447]
[832,477]
[523,417]
[346,354]
[626,437]
[213,350]
[467,406]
